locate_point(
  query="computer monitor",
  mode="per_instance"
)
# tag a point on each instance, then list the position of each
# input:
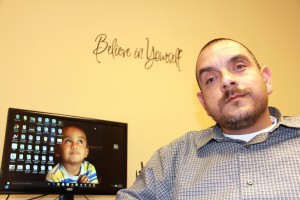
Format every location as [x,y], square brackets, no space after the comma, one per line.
[33,147]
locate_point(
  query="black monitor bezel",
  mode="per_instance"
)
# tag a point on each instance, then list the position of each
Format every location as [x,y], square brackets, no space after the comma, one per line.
[99,190]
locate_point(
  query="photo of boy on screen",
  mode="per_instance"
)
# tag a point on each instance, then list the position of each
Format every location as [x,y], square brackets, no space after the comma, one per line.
[72,151]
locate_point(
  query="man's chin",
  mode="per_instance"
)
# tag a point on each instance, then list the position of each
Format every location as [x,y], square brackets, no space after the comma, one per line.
[233,110]
[238,119]
[236,111]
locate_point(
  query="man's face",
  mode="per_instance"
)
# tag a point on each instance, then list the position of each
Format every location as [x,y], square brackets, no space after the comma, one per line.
[234,90]
[73,148]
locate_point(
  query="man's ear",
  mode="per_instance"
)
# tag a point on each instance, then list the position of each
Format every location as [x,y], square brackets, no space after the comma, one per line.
[201,99]
[267,76]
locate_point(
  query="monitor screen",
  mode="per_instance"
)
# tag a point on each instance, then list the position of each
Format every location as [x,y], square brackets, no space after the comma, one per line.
[61,154]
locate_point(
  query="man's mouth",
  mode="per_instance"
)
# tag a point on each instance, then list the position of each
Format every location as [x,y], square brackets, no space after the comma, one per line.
[233,97]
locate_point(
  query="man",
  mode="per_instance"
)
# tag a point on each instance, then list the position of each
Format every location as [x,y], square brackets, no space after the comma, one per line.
[251,153]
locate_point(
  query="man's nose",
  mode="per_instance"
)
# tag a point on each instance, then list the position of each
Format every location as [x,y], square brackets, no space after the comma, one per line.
[228,81]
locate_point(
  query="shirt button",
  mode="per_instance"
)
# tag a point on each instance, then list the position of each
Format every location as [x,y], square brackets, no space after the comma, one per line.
[249,182]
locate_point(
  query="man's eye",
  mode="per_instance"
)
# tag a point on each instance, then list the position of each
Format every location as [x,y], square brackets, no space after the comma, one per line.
[239,67]
[210,80]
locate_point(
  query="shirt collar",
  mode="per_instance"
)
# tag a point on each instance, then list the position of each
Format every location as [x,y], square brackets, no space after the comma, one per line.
[216,133]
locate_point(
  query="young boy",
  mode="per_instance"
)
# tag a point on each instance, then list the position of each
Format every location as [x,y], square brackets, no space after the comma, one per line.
[72,152]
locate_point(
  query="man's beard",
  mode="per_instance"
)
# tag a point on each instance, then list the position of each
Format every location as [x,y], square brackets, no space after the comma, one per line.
[238,118]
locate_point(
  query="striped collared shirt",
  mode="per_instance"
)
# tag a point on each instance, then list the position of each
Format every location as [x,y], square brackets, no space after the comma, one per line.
[207,165]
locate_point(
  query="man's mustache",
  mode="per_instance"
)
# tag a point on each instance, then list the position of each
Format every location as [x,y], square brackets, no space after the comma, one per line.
[232,92]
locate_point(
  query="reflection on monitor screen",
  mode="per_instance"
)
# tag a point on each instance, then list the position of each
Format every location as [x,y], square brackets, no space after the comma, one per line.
[53,153]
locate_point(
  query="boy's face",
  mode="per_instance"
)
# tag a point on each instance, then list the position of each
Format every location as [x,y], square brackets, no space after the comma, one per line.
[73,148]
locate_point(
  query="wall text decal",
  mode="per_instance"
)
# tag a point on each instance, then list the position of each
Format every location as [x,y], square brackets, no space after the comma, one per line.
[150,54]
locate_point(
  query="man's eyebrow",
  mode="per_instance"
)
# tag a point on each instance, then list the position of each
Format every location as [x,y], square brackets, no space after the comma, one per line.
[238,58]
[205,69]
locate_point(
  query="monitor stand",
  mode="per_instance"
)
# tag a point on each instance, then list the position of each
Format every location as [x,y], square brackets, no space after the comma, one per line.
[66,197]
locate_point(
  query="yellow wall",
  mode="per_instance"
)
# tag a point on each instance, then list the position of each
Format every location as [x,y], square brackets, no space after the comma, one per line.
[47,61]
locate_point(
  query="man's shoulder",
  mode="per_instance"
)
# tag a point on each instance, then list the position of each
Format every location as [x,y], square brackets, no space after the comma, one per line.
[196,136]
[189,140]
[181,148]
[291,121]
